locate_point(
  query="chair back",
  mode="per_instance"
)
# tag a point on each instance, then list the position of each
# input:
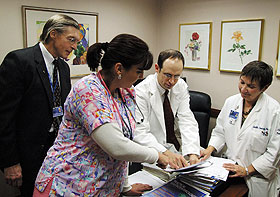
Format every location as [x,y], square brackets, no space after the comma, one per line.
[200,104]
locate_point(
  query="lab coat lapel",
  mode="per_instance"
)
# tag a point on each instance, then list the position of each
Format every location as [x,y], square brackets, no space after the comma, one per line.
[252,117]
[156,104]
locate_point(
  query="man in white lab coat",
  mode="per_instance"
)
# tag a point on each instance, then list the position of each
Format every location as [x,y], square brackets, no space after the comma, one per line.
[151,131]
[249,125]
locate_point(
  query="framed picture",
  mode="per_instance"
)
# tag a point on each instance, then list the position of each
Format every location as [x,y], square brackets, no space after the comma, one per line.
[278,54]
[195,44]
[241,43]
[34,19]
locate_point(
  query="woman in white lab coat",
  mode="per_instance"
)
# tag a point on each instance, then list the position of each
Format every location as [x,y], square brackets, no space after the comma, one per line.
[249,125]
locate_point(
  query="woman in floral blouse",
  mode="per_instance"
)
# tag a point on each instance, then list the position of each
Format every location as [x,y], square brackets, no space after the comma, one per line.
[89,156]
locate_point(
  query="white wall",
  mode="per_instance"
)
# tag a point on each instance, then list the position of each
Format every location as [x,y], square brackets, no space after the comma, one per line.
[220,85]
[157,22]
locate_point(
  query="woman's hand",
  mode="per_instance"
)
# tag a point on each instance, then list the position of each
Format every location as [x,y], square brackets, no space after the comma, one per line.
[206,153]
[239,171]
[177,159]
[193,159]
[163,161]
[138,189]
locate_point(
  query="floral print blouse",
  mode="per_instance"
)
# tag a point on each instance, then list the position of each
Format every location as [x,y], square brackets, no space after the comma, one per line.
[75,163]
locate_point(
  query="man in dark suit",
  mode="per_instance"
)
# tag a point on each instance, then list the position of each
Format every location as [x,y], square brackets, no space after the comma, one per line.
[29,114]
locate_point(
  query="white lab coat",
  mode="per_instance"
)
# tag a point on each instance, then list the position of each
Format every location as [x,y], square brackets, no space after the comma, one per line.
[151,132]
[257,142]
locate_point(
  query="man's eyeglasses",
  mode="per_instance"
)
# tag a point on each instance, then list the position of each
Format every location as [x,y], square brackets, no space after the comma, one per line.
[72,40]
[169,76]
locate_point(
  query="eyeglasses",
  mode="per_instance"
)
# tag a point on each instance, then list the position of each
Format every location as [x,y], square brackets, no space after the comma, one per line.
[169,76]
[72,40]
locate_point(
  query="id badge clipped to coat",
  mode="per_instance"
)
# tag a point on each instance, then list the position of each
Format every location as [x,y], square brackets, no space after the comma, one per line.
[233,115]
[57,111]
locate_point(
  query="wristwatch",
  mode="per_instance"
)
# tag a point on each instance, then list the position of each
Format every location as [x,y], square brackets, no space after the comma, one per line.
[247,171]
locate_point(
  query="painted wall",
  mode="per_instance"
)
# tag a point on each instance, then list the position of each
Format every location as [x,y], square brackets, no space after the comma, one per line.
[157,22]
[220,85]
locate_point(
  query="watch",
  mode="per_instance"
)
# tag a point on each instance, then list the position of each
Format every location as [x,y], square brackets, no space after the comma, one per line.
[247,171]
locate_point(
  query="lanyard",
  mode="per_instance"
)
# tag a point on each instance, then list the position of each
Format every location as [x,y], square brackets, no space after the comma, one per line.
[126,107]
[51,83]
[115,105]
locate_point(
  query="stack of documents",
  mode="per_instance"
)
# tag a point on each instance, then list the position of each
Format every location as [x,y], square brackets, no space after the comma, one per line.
[176,188]
[159,172]
[196,180]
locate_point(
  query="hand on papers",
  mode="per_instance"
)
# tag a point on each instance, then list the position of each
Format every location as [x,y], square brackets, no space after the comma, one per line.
[237,170]
[138,189]
[206,153]
[193,159]
[176,159]
[164,160]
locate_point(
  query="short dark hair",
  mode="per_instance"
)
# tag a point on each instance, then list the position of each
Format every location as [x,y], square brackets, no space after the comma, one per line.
[57,22]
[126,49]
[258,71]
[169,53]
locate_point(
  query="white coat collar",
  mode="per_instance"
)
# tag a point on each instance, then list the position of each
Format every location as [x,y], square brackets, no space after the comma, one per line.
[156,100]
[252,117]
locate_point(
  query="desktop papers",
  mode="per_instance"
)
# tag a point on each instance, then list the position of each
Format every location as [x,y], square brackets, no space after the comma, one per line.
[188,168]
[204,179]
[212,167]
[145,178]
[216,169]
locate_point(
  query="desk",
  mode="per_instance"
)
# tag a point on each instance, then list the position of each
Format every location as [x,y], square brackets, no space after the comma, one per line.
[238,190]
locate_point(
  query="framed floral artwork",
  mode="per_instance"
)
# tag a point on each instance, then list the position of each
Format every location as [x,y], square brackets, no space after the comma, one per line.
[34,19]
[241,42]
[278,55]
[195,44]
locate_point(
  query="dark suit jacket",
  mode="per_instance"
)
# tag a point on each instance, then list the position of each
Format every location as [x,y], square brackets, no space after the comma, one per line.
[26,104]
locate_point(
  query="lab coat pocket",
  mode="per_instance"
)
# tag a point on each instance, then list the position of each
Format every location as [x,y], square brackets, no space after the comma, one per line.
[259,140]
[259,187]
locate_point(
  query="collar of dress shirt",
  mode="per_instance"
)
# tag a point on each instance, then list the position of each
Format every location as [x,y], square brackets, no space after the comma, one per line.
[161,89]
[48,58]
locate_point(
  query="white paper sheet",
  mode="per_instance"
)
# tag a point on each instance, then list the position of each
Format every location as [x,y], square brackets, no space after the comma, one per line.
[145,178]
[216,169]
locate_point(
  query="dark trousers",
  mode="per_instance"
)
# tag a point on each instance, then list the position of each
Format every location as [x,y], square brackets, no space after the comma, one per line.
[29,172]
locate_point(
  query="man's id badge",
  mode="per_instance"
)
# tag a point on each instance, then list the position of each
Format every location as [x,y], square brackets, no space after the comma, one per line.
[233,115]
[57,111]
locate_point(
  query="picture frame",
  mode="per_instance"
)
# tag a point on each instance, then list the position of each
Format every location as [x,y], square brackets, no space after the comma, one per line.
[195,44]
[278,54]
[241,43]
[34,19]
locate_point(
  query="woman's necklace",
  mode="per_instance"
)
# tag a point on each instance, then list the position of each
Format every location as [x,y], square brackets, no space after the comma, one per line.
[247,113]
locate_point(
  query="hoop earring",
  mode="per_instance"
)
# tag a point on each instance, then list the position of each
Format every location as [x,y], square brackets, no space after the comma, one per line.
[119,76]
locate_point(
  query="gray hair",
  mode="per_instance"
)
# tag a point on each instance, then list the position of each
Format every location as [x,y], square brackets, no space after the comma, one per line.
[57,22]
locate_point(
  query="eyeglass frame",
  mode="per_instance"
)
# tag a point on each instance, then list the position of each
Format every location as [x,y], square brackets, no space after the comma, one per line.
[169,76]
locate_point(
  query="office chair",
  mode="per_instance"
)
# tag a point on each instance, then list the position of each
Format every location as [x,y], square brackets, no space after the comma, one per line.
[200,105]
